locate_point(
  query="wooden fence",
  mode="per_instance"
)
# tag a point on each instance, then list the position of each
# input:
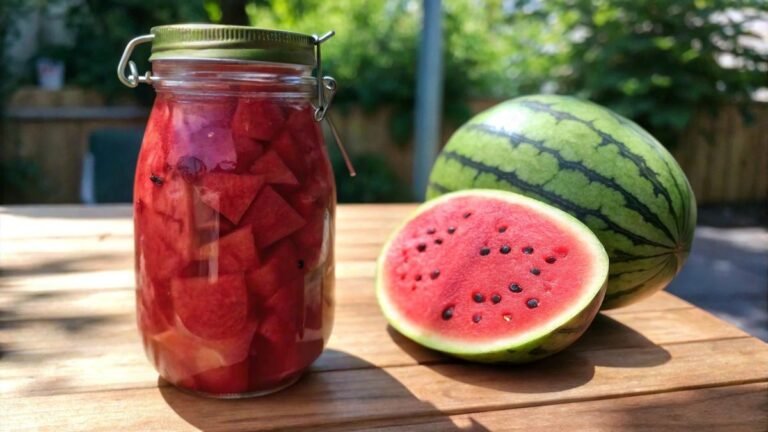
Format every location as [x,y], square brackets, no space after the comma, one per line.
[724,155]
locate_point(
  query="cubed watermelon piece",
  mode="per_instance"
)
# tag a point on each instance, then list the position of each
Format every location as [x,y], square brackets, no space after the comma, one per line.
[229,194]
[201,129]
[213,307]
[271,217]
[292,155]
[165,233]
[260,119]
[232,253]
[224,380]
[248,150]
[312,238]
[280,269]
[305,130]
[179,355]
[273,169]
[274,353]
[154,308]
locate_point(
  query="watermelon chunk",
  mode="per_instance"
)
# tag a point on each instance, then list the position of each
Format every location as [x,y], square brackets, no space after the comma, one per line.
[260,119]
[232,253]
[271,217]
[248,150]
[293,156]
[200,129]
[229,194]
[211,308]
[223,380]
[180,355]
[279,270]
[273,169]
[274,350]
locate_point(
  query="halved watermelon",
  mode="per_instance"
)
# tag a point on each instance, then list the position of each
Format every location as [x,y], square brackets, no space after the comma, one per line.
[492,276]
[229,194]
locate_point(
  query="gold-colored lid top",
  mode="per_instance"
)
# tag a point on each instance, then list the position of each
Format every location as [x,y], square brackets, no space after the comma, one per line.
[224,42]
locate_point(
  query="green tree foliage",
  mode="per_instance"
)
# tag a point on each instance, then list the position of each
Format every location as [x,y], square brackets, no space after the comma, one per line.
[103,27]
[658,61]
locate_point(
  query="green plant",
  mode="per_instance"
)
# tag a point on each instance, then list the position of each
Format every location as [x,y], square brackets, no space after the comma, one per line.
[102,29]
[377,181]
[658,61]
[20,181]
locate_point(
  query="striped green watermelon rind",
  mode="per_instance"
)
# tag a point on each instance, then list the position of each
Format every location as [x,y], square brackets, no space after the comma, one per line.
[548,340]
[596,165]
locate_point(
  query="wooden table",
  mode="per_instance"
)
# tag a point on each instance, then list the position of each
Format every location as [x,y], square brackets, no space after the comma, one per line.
[70,357]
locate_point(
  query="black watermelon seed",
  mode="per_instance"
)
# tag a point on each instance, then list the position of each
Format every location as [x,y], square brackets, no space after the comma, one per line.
[448,313]
[515,288]
[535,271]
[421,247]
[550,260]
[478,298]
[502,229]
[439,241]
[434,275]
[505,249]
[484,251]
[476,318]
[451,230]
[300,264]
[467,215]
[431,231]
[532,303]
[527,250]
[496,299]
[418,278]
[156,179]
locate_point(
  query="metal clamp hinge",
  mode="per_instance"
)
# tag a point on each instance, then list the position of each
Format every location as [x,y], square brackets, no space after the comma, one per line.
[133,79]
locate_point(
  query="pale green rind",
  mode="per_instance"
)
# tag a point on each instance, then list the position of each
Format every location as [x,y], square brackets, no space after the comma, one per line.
[592,163]
[546,340]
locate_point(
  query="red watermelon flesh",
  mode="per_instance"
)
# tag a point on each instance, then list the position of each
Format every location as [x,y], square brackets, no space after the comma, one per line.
[229,194]
[478,273]
[260,119]
[273,169]
[179,355]
[235,252]
[211,307]
[200,129]
[229,379]
[279,270]
[248,150]
[271,217]
[274,350]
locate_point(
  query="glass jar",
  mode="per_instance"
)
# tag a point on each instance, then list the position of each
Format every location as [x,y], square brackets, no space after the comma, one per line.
[234,202]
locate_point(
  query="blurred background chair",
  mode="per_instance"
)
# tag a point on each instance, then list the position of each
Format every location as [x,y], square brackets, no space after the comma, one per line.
[109,165]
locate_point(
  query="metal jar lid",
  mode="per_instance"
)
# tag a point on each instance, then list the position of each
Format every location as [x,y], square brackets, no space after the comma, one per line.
[224,42]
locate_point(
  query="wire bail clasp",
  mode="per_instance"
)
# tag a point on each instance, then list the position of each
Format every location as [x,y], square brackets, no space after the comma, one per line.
[326,89]
[133,79]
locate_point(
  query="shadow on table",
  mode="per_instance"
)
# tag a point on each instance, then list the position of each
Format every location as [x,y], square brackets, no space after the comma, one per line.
[361,398]
[607,343]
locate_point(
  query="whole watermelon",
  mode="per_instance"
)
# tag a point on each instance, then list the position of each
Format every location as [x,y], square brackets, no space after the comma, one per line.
[591,162]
